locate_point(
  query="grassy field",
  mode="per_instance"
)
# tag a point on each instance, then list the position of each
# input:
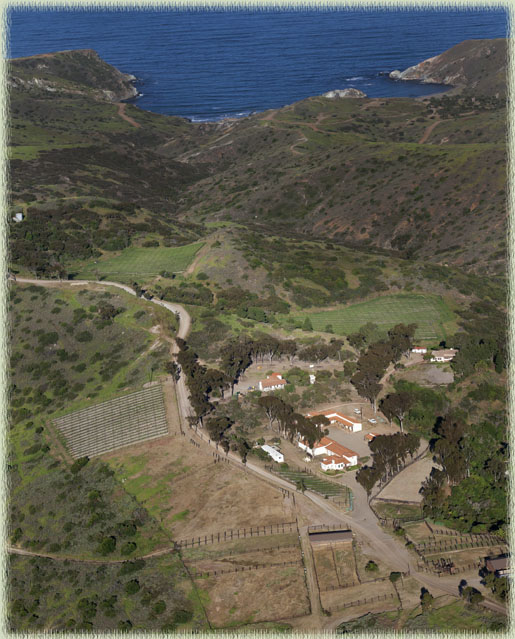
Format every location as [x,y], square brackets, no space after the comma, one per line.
[430,313]
[135,261]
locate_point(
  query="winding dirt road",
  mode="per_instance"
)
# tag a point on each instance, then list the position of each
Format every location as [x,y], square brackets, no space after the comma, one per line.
[361,519]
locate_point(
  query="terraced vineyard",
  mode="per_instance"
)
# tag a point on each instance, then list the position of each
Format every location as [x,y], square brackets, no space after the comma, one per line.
[430,313]
[135,261]
[116,423]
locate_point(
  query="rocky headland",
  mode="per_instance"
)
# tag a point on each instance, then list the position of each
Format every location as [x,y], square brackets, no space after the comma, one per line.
[474,65]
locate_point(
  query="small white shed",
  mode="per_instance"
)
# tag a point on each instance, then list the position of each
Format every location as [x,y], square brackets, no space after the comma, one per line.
[274,453]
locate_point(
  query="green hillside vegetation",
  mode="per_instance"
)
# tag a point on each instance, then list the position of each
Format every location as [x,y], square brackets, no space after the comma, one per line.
[359,172]
[73,596]
[450,617]
[74,348]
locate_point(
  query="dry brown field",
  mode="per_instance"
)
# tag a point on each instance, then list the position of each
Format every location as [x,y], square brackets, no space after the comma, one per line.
[269,594]
[182,486]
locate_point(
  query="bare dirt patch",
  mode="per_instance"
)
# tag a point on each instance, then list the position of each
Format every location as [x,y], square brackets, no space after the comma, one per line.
[262,595]
[406,485]
[335,567]
[334,599]
[192,495]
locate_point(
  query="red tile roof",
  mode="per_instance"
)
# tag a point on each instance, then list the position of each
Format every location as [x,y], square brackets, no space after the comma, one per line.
[273,382]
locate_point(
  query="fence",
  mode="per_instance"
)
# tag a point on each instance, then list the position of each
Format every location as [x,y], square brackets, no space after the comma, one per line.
[327,527]
[230,553]
[472,536]
[449,569]
[446,545]
[240,533]
[210,573]
[360,602]
[358,583]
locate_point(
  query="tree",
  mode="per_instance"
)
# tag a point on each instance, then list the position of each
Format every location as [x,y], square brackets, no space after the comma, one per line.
[401,338]
[78,464]
[217,426]
[397,405]
[471,595]
[307,326]
[367,477]
[288,347]
[367,386]
[371,566]
[426,599]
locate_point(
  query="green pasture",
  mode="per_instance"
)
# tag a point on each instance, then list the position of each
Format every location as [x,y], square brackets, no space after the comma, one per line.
[136,261]
[433,317]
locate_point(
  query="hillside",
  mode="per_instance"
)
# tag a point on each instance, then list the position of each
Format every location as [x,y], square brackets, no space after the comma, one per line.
[476,66]
[422,179]
[79,72]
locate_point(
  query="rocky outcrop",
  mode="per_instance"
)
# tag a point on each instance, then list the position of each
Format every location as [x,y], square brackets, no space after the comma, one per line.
[79,72]
[345,93]
[479,65]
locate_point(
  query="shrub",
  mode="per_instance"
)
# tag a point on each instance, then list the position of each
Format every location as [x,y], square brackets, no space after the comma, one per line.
[182,616]
[128,548]
[79,464]
[107,546]
[84,336]
[132,587]
[159,607]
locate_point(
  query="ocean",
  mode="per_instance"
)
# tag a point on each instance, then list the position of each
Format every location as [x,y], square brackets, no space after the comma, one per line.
[208,65]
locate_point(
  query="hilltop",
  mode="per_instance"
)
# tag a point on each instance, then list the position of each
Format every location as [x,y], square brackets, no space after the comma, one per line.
[77,72]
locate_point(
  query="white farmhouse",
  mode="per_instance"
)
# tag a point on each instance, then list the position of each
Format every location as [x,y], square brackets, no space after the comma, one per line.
[444,355]
[337,456]
[272,382]
[274,453]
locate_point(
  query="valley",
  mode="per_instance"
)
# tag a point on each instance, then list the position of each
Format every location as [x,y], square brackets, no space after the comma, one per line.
[162,273]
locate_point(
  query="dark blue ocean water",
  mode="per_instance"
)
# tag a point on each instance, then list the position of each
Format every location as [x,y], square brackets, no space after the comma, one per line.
[208,65]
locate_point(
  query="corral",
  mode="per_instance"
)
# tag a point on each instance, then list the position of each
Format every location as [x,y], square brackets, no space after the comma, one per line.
[430,313]
[116,423]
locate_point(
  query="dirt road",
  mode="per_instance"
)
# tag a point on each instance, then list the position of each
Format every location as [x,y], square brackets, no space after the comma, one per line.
[361,519]
[124,116]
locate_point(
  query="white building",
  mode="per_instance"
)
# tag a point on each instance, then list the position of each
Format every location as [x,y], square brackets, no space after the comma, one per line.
[312,379]
[18,217]
[349,423]
[337,456]
[444,355]
[272,382]
[273,452]
[334,463]
[419,349]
